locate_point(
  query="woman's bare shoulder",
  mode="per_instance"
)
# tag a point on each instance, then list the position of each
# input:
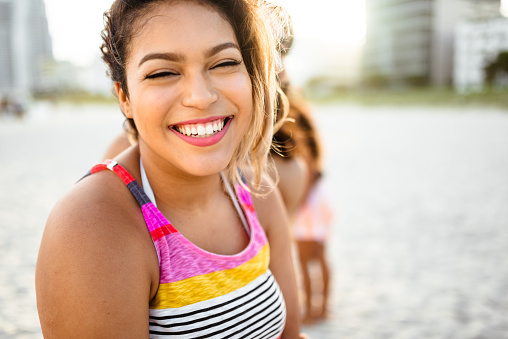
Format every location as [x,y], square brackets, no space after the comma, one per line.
[95,250]
[91,204]
[96,220]
[99,203]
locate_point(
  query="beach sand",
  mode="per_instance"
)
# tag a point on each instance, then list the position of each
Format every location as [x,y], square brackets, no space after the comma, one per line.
[420,236]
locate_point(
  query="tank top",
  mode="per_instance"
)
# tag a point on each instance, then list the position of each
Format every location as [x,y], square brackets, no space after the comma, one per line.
[203,294]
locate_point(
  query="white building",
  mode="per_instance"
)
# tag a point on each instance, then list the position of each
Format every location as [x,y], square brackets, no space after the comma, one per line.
[476,45]
[411,42]
[25,46]
[336,65]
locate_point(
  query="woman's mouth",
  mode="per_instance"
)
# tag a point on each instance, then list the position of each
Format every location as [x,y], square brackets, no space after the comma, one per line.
[202,130]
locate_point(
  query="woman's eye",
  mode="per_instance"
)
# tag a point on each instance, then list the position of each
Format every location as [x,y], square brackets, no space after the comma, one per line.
[160,75]
[228,64]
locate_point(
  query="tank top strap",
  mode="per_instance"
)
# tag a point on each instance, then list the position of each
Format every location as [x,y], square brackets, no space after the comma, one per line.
[244,198]
[126,177]
[235,200]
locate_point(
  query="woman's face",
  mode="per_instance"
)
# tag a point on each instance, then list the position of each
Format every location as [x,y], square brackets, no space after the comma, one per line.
[190,94]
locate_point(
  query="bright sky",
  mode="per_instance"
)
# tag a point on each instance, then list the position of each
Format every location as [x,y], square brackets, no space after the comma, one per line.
[504,8]
[75,25]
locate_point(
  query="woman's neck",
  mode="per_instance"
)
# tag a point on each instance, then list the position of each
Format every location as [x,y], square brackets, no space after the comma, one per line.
[176,189]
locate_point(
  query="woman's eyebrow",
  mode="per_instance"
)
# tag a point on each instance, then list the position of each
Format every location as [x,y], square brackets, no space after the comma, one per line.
[214,50]
[164,56]
[179,57]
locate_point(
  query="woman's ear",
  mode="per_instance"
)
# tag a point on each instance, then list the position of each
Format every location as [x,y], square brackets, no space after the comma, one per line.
[123,99]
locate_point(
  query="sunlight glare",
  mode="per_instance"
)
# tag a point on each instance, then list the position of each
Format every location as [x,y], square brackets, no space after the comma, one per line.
[504,8]
[76,38]
[338,22]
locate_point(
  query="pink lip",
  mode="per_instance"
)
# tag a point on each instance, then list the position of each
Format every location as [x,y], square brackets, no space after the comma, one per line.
[203,142]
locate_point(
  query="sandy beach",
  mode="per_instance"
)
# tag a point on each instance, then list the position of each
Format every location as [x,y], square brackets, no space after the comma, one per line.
[420,236]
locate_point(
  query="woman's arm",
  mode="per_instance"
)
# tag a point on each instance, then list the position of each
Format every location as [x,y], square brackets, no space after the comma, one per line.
[293,182]
[273,217]
[95,271]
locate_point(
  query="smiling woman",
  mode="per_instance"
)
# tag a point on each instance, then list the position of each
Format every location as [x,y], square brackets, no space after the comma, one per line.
[178,247]
[159,80]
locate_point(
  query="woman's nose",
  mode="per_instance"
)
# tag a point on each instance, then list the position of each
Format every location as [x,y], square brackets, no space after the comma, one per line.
[198,91]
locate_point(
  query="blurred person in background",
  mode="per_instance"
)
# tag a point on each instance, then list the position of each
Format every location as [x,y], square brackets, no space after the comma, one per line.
[297,155]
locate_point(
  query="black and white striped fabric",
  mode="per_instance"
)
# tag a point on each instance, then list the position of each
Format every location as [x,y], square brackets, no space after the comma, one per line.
[254,311]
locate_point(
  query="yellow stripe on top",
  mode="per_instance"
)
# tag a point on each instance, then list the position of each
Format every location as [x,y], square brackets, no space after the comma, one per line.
[211,285]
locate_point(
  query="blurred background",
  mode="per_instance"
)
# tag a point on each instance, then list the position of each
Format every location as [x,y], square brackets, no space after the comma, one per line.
[410,97]
[49,49]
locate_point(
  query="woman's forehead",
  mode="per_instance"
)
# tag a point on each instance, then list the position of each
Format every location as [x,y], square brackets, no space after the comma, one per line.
[180,14]
[181,24]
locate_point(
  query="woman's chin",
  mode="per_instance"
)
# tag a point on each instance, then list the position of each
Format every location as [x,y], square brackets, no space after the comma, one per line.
[207,169]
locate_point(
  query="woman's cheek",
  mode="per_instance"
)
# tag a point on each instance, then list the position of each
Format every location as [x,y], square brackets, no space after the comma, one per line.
[243,89]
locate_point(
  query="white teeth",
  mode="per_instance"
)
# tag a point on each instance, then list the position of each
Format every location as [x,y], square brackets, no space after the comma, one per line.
[201,130]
